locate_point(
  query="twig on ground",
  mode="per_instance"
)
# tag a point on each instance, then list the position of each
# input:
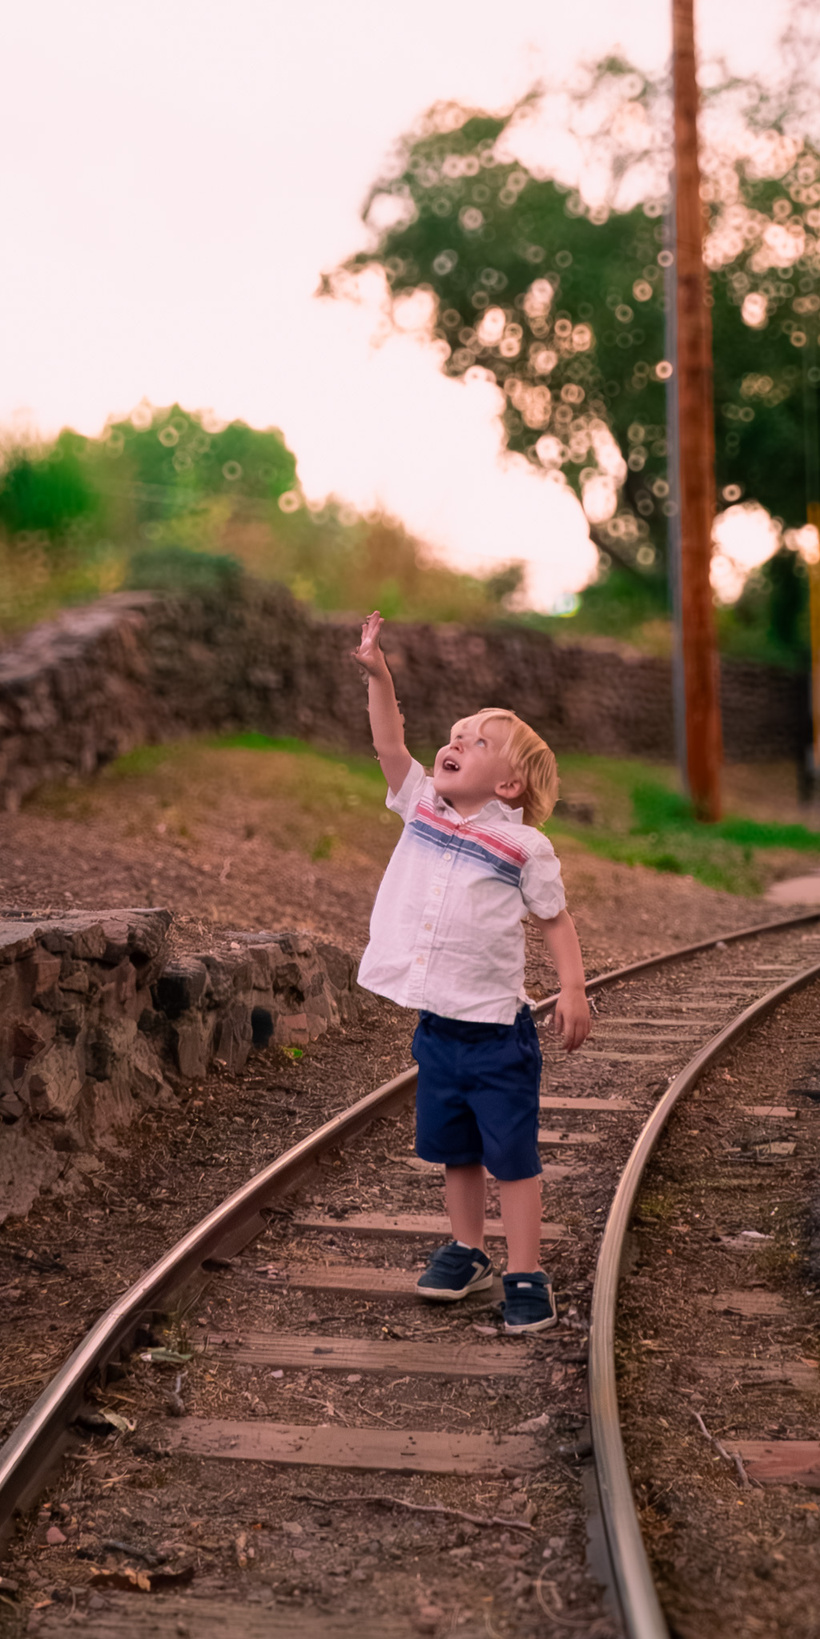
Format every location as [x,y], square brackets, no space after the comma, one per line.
[554,1610]
[114,1545]
[734,1459]
[386,1501]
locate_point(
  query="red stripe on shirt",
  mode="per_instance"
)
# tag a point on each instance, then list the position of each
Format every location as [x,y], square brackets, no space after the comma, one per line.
[508,850]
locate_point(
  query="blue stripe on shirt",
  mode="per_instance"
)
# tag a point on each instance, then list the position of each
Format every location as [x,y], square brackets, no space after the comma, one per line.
[429,835]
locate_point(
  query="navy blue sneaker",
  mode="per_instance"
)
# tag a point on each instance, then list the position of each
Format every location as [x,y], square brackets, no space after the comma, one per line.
[529,1305]
[453,1271]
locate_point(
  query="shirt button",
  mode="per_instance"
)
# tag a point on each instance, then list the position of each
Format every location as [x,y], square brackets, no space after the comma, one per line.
[437,892]
[448,854]
[428,926]
[420,960]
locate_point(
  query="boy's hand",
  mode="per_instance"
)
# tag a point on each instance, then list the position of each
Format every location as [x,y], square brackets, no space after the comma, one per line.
[570,1021]
[369,654]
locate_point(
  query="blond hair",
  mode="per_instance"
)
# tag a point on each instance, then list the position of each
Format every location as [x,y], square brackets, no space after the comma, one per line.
[530,759]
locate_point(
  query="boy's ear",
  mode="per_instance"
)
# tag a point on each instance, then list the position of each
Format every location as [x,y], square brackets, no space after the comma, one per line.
[509,790]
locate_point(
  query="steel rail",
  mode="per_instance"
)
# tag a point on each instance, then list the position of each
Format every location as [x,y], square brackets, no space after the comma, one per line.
[634,1584]
[648,962]
[32,1448]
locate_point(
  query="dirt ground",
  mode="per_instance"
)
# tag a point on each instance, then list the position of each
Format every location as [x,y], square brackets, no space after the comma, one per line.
[224,844]
[238,839]
[719,1216]
[230,839]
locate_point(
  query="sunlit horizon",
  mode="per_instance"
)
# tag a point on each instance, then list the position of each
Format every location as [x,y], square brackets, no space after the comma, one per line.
[179,184]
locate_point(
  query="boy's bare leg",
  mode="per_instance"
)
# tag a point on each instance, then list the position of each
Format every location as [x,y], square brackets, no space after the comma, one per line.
[464,1189]
[521,1213]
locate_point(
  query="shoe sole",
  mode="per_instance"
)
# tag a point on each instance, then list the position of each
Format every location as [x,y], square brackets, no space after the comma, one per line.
[450,1295]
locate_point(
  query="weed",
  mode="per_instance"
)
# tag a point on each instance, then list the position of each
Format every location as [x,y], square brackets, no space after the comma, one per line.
[655,1208]
[324,847]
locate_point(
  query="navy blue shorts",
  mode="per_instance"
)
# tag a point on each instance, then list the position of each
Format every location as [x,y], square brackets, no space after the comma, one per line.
[477,1098]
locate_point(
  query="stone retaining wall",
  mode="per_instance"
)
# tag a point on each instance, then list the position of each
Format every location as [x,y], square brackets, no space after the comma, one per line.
[98,1023]
[135,668]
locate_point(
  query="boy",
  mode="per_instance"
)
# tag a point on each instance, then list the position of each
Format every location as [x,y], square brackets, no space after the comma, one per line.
[446,937]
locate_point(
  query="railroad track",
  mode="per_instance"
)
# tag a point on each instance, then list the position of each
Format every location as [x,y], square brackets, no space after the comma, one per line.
[311,1367]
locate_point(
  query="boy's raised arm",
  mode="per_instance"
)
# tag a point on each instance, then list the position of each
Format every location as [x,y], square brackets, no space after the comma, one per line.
[385,718]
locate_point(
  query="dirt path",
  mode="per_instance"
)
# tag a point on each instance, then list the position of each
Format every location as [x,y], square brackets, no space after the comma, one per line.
[237,838]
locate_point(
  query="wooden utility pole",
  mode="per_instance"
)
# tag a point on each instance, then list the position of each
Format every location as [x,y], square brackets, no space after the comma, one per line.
[696,438]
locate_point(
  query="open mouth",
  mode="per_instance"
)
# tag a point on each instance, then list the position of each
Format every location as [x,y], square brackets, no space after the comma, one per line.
[451,766]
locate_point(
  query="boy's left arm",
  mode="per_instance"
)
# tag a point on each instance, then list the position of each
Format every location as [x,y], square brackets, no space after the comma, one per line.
[571,1018]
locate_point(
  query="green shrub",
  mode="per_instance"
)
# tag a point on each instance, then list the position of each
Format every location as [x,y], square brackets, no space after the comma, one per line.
[179,569]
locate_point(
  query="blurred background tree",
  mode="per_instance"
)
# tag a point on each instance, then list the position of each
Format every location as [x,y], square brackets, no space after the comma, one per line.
[169,499]
[563,302]
[555,291]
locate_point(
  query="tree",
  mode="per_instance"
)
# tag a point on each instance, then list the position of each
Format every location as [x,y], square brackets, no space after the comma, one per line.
[175,459]
[45,491]
[563,303]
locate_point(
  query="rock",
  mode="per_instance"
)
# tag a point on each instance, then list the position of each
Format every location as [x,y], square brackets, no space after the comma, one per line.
[11,1107]
[15,942]
[147,1081]
[88,941]
[54,1536]
[40,971]
[94,1024]
[30,1036]
[192,1043]
[105,1111]
[534,1424]
[233,1036]
[55,1081]
[180,987]
[427,1618]
[112,1044]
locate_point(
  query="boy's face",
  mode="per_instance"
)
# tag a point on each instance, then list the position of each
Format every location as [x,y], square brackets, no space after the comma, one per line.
[472,768]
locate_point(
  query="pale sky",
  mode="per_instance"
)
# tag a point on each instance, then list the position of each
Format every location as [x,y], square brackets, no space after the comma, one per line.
[175,178]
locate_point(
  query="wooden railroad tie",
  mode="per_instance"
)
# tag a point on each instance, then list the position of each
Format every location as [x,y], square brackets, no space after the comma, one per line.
[215,1616]
[780,1462]
[359,1354]
[749,1303]
[398,1451]
[360,1280]
[586,1104]
[750,1374]
[412,1223]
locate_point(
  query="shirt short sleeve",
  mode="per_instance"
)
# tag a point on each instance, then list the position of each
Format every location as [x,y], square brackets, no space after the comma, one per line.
[406,801]
[541,887]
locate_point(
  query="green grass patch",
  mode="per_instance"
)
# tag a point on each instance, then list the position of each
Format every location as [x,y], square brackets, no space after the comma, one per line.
[657,809]
[143,760]
[363,767]
[641,819]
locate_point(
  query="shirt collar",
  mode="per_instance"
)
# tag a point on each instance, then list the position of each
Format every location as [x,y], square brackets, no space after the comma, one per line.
[495,809]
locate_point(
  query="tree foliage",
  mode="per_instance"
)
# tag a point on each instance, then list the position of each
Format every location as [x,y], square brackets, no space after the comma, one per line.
[167,500]
[46,490]
[176,451]
[158,463]
[564,303]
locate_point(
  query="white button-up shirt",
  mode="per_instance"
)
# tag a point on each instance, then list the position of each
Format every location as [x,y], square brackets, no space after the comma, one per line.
[446,933]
